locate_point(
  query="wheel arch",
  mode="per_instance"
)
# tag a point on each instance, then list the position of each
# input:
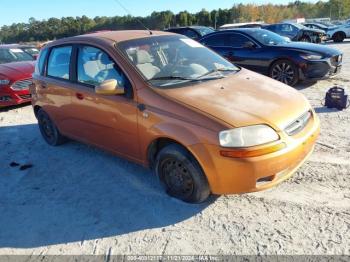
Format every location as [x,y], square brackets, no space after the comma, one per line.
[36,110]
[158,144]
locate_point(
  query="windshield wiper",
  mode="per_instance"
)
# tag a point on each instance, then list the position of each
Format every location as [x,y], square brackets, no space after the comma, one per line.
[215,71]
[172,78]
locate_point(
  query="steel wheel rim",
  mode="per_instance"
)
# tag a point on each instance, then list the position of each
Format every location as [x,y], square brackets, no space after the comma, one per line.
[283,72]
[177,178]
[47,127]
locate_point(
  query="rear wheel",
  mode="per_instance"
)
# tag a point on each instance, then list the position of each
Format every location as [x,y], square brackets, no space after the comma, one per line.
[338,37]
[181,175]
[49,130]
[285,71]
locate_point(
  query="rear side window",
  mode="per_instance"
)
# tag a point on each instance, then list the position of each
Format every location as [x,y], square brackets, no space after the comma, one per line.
[39,67]
[237,40]
[59,62]
[216,40]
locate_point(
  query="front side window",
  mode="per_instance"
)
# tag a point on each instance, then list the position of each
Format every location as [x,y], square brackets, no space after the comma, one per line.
[59,62]
[237,40]
[217,40]
[171,60]
[95,66]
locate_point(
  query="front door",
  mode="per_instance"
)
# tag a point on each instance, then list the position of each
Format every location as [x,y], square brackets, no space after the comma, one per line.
[109,122]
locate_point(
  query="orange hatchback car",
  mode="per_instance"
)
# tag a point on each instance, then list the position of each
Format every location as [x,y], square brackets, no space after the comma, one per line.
[167,102]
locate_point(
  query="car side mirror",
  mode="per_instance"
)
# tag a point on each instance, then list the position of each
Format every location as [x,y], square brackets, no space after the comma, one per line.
[249,45]
[109,88]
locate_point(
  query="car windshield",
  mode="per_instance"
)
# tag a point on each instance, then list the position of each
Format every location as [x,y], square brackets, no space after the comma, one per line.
[172,60]
[267,37]
[31,50]
[205,30]
[13,55]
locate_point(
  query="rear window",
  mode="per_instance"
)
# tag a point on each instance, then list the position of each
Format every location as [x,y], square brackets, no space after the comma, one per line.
[59,62]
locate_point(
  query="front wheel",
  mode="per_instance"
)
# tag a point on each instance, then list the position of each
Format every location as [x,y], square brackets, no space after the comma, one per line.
[181,175]
[49,130]
[285,71]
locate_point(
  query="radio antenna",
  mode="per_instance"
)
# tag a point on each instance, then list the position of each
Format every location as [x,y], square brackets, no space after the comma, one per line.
[137,19]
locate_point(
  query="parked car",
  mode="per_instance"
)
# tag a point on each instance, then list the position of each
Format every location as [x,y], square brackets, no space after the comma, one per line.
[298,32]
[319,26]
[16,68]
[29,49]
[339,33]
[193,32]
[167,102]
[270,54]
[335,33]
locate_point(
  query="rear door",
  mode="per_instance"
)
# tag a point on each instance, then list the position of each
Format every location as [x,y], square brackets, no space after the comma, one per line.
[52,85]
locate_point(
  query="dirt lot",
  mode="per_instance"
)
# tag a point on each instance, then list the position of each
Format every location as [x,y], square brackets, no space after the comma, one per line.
[79,200]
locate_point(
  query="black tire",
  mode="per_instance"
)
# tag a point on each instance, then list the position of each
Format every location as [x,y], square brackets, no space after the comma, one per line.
[284,71]
[305,39]
[49,130]
[338,37]
[181,175]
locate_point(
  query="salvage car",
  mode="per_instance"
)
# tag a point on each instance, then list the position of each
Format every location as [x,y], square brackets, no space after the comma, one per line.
[193,32]
[16,68]
[270,54]
[167,102]
[298,32]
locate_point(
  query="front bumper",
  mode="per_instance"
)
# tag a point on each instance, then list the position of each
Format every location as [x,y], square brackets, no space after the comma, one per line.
[320,69]
[9,97]
[243,175]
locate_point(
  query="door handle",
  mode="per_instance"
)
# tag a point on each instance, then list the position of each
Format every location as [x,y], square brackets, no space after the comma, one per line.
[79,96]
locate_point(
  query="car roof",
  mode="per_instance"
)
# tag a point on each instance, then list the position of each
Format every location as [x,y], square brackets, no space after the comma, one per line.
[241,30]
[111,36]
[7,46]
[192,26]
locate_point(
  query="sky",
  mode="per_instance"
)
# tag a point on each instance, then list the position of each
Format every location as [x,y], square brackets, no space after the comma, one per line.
[21,10]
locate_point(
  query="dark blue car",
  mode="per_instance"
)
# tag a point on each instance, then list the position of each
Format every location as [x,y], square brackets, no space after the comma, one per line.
[268,53]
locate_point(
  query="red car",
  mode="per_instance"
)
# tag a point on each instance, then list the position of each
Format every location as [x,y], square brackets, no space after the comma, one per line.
[16,69]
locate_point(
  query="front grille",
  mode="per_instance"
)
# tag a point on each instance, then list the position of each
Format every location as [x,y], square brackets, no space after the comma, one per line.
[25,96]
[299,124]
[22,84]
[336,60]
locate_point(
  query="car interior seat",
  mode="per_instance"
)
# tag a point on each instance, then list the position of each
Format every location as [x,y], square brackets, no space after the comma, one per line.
[144,63]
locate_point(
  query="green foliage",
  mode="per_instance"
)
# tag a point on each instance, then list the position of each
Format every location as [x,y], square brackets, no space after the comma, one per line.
[55,28]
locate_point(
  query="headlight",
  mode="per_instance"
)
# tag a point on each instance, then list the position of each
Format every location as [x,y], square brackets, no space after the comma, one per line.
[311,57]
[247,136]
[4,82]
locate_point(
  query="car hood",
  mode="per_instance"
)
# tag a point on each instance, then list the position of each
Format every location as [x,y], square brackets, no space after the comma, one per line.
[243,99]
[309,47]
[17,70]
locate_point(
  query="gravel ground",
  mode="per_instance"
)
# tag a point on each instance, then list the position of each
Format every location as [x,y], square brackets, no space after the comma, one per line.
[79,200]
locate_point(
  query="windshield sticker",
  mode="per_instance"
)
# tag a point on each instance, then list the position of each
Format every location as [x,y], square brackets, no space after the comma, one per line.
[191,42]
[16,50]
